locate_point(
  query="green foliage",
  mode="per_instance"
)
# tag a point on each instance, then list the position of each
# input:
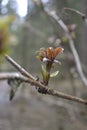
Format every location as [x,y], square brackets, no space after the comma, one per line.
[5,36]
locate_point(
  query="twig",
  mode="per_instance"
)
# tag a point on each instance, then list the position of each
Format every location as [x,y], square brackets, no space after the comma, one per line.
[59,21]
[7,75]
[34,83]
[18,67]
[78,12]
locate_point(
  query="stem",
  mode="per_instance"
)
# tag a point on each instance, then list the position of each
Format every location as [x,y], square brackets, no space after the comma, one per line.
[48,69]
[18,67]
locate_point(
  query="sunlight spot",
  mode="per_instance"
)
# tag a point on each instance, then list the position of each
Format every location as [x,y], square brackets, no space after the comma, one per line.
[22,7]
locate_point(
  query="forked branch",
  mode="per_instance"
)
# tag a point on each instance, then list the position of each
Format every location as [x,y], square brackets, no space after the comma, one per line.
[31,80]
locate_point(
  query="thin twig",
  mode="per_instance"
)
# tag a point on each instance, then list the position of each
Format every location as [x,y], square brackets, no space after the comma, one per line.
[34,83]
[18,67]
[78,12]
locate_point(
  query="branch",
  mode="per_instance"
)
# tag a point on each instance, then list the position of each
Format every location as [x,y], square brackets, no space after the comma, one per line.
[78,12]
[59,21]
[18,67]
[49,91]
[31,80]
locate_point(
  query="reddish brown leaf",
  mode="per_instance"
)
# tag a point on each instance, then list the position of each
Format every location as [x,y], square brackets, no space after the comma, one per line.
[58,51]
[50,53]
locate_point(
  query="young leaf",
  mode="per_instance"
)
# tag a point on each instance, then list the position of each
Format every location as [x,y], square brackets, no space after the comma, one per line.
[54,74]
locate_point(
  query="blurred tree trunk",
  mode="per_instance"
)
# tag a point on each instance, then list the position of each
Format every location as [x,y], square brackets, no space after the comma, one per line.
[84,44]
[0,15]
[24,42]
[24,56]
[68,64]
[0,6]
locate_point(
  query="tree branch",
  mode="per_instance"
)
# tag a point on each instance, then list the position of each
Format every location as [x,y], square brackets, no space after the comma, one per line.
[18,67]
[49,91]
[78,12]
[31,80]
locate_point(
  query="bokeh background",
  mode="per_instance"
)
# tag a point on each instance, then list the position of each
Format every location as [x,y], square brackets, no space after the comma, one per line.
[26,29]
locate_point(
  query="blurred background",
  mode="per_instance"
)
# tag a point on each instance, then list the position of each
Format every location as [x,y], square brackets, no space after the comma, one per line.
[24,29]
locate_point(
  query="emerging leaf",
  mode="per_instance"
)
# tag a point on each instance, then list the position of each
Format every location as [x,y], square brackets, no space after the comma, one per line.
[54,74]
